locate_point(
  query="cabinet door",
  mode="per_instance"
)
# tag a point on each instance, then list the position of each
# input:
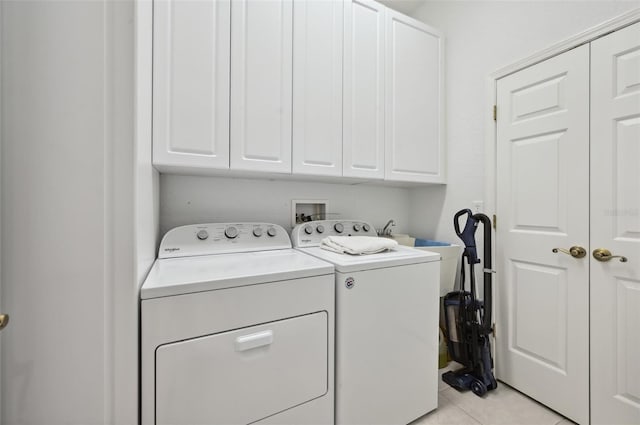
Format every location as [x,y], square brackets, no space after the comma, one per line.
[261,61]
[542,343]
[615,226]
[414,142]
[191,84]
[363,150]
[317,87]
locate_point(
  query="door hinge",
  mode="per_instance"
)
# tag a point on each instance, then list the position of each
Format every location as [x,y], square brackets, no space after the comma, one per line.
[495,112]
[493,329]
[495,219]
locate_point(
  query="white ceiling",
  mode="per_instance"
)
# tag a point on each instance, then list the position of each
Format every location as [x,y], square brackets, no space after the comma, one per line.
[408,7]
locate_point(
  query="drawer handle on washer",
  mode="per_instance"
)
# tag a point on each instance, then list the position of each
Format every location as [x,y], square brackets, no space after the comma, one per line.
[259,339]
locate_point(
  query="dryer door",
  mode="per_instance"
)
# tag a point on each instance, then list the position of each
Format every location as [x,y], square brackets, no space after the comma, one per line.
[244,375]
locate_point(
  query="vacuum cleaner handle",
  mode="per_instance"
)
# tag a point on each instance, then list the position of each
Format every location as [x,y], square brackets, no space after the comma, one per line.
[488,272]
[468,234]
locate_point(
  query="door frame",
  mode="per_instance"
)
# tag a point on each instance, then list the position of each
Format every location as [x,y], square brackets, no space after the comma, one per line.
[490,146]
[1,150]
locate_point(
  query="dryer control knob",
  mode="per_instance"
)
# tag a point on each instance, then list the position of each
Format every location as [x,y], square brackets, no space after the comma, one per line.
[308,229]
[257,232]
[356,227]
[202,234]
[338,227]
[320,228]
[271,231]
[366,227]
[231,232]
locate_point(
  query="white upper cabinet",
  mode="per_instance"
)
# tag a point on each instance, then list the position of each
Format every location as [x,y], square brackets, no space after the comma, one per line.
[342,88]
[363,145]
[261,80]
[191,84]
[317,87]
[414,139]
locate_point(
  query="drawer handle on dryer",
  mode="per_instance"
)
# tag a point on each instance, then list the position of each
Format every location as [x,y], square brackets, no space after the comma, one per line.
[258,339]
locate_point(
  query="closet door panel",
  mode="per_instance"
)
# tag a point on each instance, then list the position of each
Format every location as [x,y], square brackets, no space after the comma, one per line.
[542,343]
[363,152]
[261,79]
[615,226]
[317,87]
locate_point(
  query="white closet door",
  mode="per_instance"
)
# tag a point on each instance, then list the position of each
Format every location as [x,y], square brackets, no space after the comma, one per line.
[191,83]
[317,87]
[414,141]
[363,152]
[615,226]
[542,342]
[261,62]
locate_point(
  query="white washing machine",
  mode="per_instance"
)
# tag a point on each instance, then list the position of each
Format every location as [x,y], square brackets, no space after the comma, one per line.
[236,328]
[386,327]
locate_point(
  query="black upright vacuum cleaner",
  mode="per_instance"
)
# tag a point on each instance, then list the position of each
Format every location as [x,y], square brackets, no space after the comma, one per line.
[468,319]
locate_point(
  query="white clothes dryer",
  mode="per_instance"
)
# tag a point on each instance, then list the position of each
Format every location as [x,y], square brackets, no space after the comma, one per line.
[236,328]
[386,326]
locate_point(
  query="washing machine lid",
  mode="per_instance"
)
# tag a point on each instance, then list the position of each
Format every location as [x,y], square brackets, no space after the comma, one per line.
[177,276]
[399,256]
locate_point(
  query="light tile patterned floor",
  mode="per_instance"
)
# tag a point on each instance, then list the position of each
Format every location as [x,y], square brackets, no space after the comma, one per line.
[502,406]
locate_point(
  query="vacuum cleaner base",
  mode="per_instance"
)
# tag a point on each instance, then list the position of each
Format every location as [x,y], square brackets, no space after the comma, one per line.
[462,380]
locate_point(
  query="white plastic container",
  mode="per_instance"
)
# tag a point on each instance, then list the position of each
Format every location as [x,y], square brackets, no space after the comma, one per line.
[449,266]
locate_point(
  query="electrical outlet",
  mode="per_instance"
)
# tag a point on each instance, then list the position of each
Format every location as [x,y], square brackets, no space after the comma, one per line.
[478,206]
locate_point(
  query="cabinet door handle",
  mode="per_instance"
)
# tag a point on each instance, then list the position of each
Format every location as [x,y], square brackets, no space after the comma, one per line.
[258,339]
[603,254]
[574,251]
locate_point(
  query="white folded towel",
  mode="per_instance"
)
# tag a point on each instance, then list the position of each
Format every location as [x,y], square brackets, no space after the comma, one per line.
[357,245]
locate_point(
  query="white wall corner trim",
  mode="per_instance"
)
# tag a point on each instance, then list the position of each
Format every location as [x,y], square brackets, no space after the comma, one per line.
[145,197]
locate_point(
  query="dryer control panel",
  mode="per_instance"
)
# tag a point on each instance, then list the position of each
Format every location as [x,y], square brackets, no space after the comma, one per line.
[222,238]
[311,234]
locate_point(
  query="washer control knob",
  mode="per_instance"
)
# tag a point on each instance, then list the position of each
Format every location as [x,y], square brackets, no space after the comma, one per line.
[320,228]
[356,227]
[271,231]
[338,227]
[257,232]
[231,232]
[202,234]
[366,227]
[308,229]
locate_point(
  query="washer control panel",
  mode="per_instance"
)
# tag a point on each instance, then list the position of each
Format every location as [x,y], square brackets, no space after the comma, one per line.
[311,233]
[222,238]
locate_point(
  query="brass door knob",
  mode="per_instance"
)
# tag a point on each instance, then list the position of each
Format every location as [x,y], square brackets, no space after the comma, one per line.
[4,321]
[574,251]
[603,254]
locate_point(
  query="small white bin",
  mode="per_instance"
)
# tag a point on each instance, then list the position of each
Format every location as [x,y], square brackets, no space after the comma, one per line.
[449,265]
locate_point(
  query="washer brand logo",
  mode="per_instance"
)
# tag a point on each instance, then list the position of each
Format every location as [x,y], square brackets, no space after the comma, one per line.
[171,249]
[349,283]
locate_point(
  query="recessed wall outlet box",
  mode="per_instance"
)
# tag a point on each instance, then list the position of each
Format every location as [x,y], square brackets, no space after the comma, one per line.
[478,206]
[303,210]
